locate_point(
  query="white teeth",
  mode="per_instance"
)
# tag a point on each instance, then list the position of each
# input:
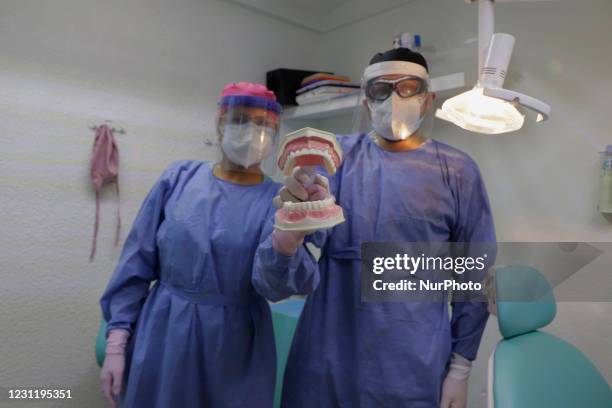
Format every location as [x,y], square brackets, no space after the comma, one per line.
[308,205]
[306,151]
[289,161]
[329,161]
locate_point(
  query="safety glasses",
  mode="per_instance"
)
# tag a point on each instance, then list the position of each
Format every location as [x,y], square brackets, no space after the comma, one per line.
[265,119]
[378,89]
[261,121]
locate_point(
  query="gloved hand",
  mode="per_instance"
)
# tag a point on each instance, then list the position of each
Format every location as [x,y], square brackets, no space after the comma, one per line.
[287,242]
[111,375]
[299,186]
[455,387]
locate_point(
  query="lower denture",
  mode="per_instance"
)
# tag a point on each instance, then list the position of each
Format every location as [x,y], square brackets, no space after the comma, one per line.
[300,214]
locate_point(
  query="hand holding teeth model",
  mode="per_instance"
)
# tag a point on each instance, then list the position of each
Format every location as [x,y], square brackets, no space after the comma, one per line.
[307,148]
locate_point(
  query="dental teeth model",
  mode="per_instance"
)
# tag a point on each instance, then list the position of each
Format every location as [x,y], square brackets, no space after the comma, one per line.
[308,148]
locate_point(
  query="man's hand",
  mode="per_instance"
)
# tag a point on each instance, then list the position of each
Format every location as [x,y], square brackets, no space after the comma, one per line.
[454,393]
[299,186]
[455,387]
[287,242]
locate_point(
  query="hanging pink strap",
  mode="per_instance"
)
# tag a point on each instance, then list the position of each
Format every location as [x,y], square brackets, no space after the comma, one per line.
[118,231]
[104,170]
[96,224]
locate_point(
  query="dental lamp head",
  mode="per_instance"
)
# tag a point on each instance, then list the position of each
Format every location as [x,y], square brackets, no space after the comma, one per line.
[489,108]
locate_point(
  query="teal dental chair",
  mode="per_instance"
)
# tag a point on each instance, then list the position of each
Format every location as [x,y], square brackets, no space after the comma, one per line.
[530,368]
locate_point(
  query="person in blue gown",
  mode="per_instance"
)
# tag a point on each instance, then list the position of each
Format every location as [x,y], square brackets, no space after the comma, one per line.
[395,185]
[186,327]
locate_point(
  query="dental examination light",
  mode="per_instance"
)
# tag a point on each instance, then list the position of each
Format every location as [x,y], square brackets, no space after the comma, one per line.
[489,108]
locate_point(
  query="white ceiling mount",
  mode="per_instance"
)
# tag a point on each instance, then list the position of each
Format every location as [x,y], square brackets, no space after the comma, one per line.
[489,108]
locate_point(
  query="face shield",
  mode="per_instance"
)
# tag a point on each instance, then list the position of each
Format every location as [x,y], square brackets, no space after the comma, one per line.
[248,131]
[395,106]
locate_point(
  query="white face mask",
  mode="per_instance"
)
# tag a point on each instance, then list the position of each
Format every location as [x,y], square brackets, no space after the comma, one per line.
[248,144]
[397,118]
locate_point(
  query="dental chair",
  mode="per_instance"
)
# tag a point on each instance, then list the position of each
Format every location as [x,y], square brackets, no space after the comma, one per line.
[530,368]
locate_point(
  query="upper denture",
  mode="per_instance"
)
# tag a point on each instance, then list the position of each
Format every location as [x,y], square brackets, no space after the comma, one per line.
[310,147]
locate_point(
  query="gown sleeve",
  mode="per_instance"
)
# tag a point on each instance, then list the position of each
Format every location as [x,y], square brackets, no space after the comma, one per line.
[127,289]
[474,227]
[277,276]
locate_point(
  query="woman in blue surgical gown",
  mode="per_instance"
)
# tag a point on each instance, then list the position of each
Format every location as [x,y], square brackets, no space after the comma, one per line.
[180,302]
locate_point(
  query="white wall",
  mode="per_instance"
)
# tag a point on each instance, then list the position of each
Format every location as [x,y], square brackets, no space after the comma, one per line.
[155,68]
[542,180]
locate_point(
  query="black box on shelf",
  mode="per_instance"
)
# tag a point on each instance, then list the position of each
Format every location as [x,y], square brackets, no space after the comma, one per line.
[285,82]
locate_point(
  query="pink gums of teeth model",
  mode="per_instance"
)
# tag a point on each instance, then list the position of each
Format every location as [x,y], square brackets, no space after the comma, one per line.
[308,148]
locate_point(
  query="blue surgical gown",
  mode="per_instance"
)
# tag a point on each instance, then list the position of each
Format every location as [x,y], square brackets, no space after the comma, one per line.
[349,353]
[201,334]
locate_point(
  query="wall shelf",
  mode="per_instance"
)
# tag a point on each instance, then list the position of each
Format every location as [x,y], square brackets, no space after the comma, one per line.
[321,110]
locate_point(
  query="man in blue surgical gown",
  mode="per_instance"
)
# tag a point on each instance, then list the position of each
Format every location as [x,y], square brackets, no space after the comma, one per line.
[394,185]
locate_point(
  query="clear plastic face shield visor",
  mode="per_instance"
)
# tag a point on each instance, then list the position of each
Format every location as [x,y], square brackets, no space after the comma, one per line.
[392,105]
[248,132]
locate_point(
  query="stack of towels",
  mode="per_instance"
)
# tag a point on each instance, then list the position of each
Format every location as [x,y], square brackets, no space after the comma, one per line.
[322,86]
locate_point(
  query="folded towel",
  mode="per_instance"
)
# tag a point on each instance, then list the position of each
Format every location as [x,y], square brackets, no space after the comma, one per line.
[324,94]
[327,83]
[321,76]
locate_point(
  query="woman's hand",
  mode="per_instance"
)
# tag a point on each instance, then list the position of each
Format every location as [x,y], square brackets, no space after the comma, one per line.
[111,376]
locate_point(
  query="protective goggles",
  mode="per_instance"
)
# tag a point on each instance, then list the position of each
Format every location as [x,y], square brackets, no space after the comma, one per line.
[378,89]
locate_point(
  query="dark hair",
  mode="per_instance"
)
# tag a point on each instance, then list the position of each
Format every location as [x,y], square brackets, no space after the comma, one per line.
[400,54]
